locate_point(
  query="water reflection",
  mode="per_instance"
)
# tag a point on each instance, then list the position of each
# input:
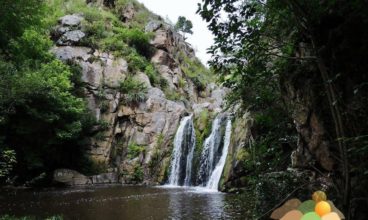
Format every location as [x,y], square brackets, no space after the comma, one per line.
[118,202]
[196,202]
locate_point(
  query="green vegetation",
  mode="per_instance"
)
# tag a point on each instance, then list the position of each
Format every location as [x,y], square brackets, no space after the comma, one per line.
[7,161]
[195,71]
[138,174]
[281,57]
[133,91]
[173,95]
[184,25]
[123,40]
[105,29]
[157,155]
[43,120]
[135,150]
[155,78]
[203,127]
[141,17]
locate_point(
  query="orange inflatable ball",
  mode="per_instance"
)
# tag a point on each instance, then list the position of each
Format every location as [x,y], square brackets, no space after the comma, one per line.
[319,196]
[322,208]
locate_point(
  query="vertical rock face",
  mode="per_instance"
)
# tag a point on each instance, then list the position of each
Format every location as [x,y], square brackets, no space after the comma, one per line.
[134,140]
[313,147]
[241,138]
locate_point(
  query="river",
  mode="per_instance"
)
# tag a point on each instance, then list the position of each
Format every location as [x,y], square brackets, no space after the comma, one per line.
[122,202]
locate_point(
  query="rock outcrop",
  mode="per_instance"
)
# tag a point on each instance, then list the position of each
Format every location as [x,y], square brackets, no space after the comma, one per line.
[313,146]
[241,141]
[135,140]
[73,178]
[68,32]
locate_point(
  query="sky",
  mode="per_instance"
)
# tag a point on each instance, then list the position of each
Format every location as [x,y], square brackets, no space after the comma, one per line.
[201,38]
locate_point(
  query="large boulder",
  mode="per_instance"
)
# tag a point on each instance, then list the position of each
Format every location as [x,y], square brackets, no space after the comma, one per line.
[68,32]
[72,53]
[71,38]
[70,177]
[73,20]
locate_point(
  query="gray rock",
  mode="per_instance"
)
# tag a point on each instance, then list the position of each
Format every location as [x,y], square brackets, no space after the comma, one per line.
[157,123]
[71,38]
[161,57]
[70,177]
[71,20]
[153,26]
[105,178]
[128,12]
[143,78]
[167,74]
[69,53]
[140,138]
[198,108]
[155,92]
[62,30]
[114,72]
[92,73]
[143,119]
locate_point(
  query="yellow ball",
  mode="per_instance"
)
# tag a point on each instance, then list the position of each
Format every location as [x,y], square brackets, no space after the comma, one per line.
[319,196]
[322,208]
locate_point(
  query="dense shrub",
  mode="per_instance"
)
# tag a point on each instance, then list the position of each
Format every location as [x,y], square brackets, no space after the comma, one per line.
[138,174]
[134,150]
[133,91]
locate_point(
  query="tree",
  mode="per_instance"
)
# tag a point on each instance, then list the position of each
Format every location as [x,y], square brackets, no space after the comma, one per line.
[184,25]
[42,122]
[18,15]
[259,43]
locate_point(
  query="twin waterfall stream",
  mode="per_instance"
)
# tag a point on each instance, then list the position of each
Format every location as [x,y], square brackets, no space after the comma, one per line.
[213,156]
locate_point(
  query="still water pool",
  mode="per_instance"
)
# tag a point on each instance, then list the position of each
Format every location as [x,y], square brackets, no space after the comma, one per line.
[122,202]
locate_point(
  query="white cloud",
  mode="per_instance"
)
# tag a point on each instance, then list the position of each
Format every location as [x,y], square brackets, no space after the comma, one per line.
[201,38]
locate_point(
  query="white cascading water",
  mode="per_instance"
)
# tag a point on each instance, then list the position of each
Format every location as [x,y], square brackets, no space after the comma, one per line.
[214,180]
[184,144]
[209,152]
[213,156]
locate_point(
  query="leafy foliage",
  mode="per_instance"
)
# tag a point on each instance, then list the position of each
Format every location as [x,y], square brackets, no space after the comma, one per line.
[42,120]
[17,16]
[260,45]
[134,150]
[7,161]
[184,25]
[138,174]
[133,91]
[195,70]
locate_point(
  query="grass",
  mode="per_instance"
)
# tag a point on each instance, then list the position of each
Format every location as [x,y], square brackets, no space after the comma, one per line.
[103,28]
[195,70]
[138,174]
[135,150]
[133,91]
[173,95]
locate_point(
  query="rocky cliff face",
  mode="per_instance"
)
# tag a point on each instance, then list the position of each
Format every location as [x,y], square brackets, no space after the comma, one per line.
[234,172]
[134,141]
[313,146]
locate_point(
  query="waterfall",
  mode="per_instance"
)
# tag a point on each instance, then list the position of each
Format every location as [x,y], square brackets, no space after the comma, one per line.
[210,154]
[184,144]
[213,155]
[214,180]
